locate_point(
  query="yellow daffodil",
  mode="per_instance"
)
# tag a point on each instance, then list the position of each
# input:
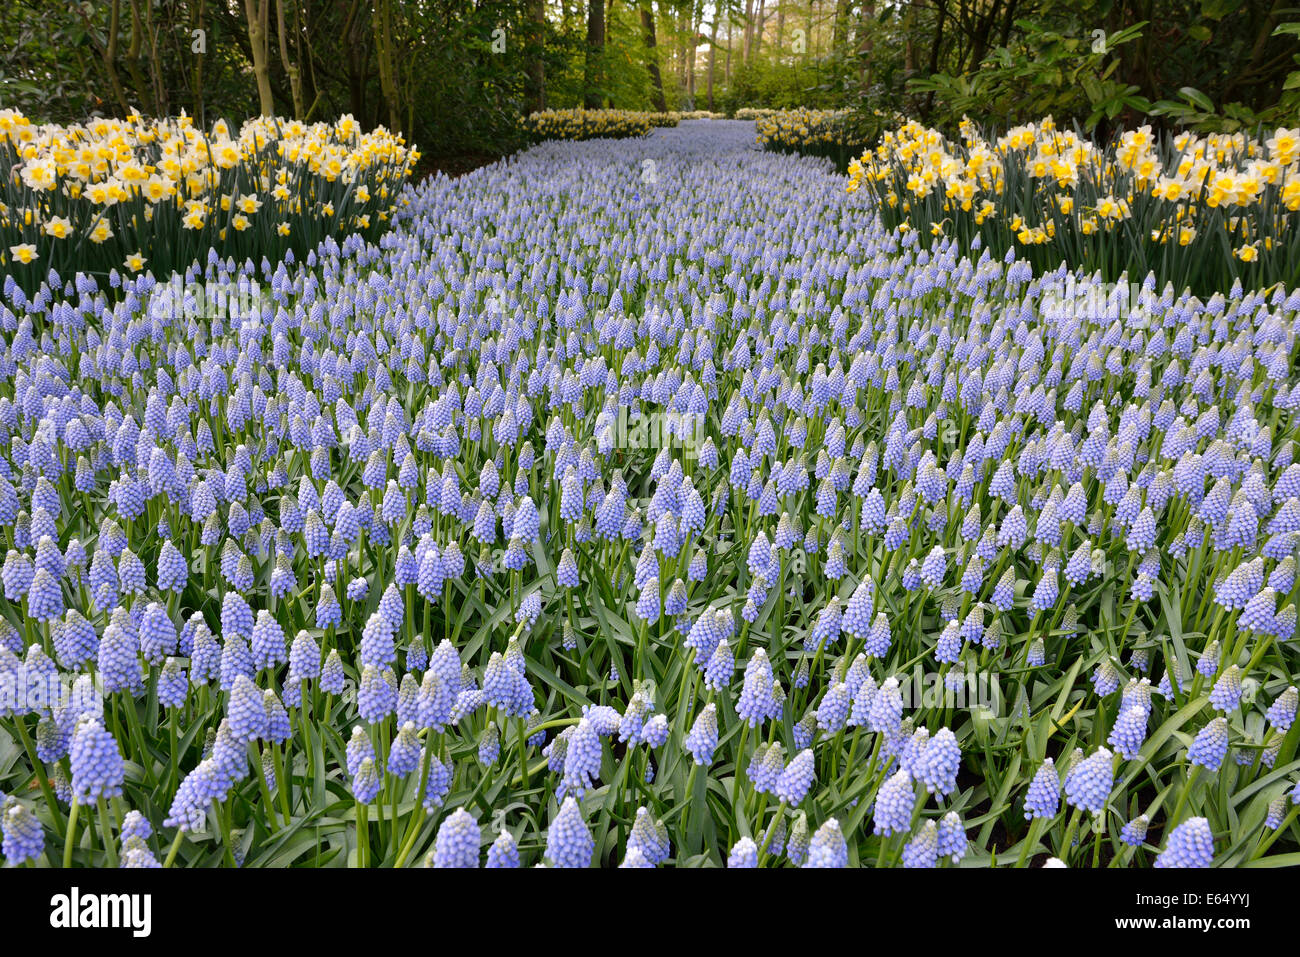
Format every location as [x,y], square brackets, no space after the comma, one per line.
[58,227]
[23,253]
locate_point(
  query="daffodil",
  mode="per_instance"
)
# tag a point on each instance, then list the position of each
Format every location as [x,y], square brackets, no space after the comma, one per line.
[58,227]
[23,253]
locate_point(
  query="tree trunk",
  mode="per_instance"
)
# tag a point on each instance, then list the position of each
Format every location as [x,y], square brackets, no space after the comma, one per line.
[535,79]
[865,26]
[980,41]
[747,37]
[257,13]
[592,75]
[352,37]
[909,48]
[110,58]
[138,85]
[713,55]
[758,29]
[295,77]
[652,56]
[809,47]
[695,11]
[726,63]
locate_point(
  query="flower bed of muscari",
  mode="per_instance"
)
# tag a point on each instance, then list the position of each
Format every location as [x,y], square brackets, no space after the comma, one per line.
[583,124]
[428,561]
[1198,211]
[122,196]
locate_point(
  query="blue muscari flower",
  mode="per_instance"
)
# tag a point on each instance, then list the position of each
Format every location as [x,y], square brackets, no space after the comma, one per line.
[1129,732]
[97,766]
[635,859]
[744,853]
[268,643]
[1088,783]
[833,711]
[304,658]
[1281,713]
[278,729]
[937,766]
[196,792]
[1106,678]
[566,573]
[655,732]
[76,642]
[1276,812]
[650,837]
[1225,696]
[458,840]
[828,847]
[44,597]
[911,576]
[923,849]
[376,697]
[755,702]
[1210,746]
[358,749]
[1004,593]
[530,608]
[332,675]
[503,852]
[1190,844]
[439,783]
[703,737]
[797,778]
[568,841]
[366,782]
[236,616]
[951,838]
[1284,623]
[236,661]
[1134,833]
[119,660]
[489,745]
[894,803]
[827,628]
[582,758]
[246,711]
[721,664]
[1258,614]
[377,648]
[135,825]
[933,568]
[23,837]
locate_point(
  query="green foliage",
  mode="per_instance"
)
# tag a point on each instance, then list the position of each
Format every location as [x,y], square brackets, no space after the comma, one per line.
[776,86]
[1046,74]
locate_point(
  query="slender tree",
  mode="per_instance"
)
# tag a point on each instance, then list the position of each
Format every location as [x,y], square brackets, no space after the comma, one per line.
[593,80]
[652,56]
[535,78]
[258,15]
[713,54]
